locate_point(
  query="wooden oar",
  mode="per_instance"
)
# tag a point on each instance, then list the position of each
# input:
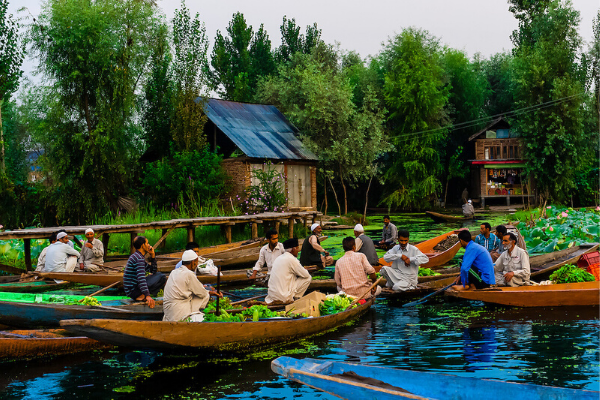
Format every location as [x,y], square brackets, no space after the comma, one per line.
[424,299]
[365,293]
[232,295]
[248,299]
[102,290]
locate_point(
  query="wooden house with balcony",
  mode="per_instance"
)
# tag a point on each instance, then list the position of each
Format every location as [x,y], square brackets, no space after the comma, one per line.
[497,170]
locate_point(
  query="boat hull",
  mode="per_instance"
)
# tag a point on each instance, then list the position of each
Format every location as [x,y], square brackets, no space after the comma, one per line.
[564,294]
[34,287]
[209,336]
[37,343]
[325,375]
[437,217]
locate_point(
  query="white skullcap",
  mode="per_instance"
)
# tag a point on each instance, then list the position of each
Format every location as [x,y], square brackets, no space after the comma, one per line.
[61,235]
[314,226]
[359,228]
[189,255]
[470,202]
[89,230]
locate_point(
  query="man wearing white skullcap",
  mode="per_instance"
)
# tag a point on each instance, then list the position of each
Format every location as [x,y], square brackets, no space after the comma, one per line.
[311,250]
[60,257]
[468,210]
[365,245]
[92,253]
[184,295]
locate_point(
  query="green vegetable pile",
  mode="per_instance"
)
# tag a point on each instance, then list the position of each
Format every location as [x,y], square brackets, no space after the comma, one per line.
[571,274]
[224,304]
[335,304]
[253,313]
[87,301]
[427,272]
[561,229]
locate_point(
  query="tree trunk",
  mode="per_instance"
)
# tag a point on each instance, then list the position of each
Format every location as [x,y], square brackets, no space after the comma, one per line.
[325,190]
[3,164]
[446,192]
[364,217]
[345,194]
[336,198]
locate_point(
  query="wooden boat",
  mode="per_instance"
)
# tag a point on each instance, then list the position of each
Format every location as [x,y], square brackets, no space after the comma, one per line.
[34,315]
[209,336]
[34,286]
[207,252]
[86,278]
[421,290]
[546,264]
[437,217]
[436,258]
[360,381]
[563,294]
[39,343]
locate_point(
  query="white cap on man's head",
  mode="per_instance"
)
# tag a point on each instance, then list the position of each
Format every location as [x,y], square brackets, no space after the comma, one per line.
[189,255]
[314,226]
[61,235]
[359,228]
[89,230]
[470,202]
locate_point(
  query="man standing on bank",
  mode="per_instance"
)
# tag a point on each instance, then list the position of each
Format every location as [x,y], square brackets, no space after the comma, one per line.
[365,245]
[389,236]
[404,272]
[311,250]
[137,285]
[477,268]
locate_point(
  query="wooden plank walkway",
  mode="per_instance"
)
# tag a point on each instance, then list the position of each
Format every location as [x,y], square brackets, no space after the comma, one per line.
[166,226]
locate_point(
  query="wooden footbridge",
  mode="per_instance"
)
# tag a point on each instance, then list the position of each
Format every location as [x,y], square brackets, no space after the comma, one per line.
[166,226]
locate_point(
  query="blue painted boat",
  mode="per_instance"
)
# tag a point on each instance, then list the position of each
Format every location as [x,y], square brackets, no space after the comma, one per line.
[356,381]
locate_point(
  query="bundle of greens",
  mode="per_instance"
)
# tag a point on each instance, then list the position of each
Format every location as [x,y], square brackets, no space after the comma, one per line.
[335,304]
[224,304]
[427,272]
[87,301]
[253,313]
[571,274]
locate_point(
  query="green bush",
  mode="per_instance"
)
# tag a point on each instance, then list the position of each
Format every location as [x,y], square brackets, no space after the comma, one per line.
[189,177]
[269,194]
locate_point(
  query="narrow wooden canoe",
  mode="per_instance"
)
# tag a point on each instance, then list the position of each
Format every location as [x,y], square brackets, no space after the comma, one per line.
[437,217]
[360,381]
[540,272]
[40,343]
[563,294]
[34,315]
[209,336]
[87,278]
[34,286]
[436,258]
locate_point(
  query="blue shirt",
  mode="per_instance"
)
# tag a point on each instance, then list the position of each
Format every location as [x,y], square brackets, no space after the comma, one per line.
[478,258]
[490,243]
[179,264]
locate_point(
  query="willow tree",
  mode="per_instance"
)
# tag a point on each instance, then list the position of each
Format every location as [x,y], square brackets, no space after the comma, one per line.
[94,55]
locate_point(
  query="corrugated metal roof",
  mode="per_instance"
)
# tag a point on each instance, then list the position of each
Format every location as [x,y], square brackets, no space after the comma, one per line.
[259,130]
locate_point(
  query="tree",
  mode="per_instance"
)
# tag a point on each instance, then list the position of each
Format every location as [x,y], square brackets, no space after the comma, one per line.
[550,77]
[416,95]
[12,53]
[190,63]
[94,55]
[498,71]
[292,41]
[240,59]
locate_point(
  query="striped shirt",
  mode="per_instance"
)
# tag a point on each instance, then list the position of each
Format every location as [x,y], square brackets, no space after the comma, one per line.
[351,272]
[491,243]
[135,273]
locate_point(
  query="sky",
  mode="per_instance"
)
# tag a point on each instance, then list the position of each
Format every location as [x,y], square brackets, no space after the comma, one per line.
[474,26]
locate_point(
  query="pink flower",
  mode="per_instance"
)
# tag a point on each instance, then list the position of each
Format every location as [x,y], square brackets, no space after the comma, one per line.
[597,209]
[551,229]
[549,207]
[564,214]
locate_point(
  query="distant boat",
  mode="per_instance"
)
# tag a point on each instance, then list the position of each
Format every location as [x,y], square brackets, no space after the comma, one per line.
[359,381]
[437,217]
[558,295]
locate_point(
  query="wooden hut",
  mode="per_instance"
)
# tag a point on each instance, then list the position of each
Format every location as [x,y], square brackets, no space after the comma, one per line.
[497,170]
[250,136]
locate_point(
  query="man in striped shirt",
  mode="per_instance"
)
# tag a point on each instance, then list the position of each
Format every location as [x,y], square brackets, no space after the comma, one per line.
[487,239]
[351,271]
[137,285]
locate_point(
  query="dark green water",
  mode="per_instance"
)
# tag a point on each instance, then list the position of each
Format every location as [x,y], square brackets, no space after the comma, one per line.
[558,347]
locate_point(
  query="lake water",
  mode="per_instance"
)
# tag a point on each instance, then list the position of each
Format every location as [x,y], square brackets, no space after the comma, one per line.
[558,347]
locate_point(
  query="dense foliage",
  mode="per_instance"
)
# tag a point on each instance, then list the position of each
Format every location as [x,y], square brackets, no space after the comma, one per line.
[269,193]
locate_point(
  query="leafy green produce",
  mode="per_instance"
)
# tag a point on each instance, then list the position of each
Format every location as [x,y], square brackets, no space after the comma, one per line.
[571,274]
[335,304]
[427,272]
[224,304]
[253,313]
[87,301]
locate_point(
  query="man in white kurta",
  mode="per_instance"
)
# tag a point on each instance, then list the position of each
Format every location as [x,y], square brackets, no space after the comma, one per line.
[60,257]
[512,267]
[404,272]
[41,263]
[91,258]
[268,253]
[184,294]
[289,279]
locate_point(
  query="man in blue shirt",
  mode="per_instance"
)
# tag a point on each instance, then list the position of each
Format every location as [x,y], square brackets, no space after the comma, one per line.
[477,269]
[487,239]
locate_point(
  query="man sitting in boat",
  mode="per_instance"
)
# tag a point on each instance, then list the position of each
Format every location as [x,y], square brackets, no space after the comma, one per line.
[137,285]
[404,272]
[184,294]
[500,232]
[365,245]
[477,268]
[190,246]
[268,253]
[311,250]
[92,253]
[351,271]
[389,236]
[289,279]
[60,257]
[468,210]
[486,238]
[512,267]
[41,263]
